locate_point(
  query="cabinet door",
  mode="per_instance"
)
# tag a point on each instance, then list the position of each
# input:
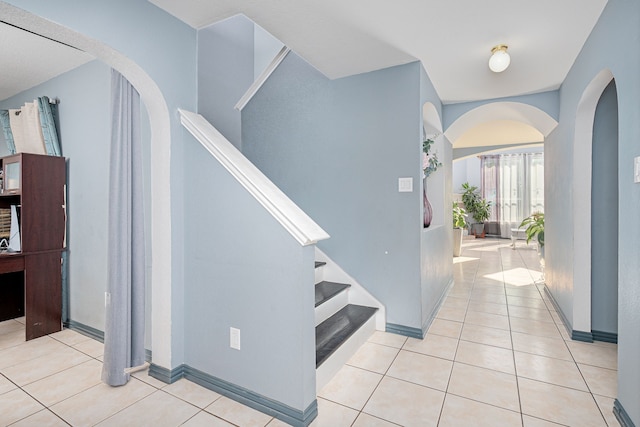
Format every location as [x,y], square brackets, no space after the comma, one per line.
[43,294]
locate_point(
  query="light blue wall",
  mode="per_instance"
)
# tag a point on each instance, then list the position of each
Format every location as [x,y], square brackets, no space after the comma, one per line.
[436,243]
[604,214]
[615,35]
[165,48]
[84,110]
[266,47]
[246,271]
[231,55]
[337,148]
[84,128]
[225,72]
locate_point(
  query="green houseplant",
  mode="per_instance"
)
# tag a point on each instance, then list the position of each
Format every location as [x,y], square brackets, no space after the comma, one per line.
[476,206]
[459,216]
[534,227]
[430,164]
[459,224]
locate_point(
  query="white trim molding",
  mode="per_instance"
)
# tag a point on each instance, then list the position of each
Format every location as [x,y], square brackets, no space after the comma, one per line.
[257,84]
[285,211]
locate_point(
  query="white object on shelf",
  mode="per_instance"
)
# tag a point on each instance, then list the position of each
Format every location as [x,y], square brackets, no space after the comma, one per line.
[14,234]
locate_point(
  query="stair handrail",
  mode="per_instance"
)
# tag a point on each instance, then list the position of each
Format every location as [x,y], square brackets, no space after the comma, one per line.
[282,208]
[262,78]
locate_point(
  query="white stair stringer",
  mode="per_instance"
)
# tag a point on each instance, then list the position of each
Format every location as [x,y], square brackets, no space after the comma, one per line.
[332,306]
[357,294]
[331,366]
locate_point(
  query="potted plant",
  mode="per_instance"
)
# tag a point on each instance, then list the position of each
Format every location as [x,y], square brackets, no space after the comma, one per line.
[534,229]
[430,164]
[477,207]
[459,224]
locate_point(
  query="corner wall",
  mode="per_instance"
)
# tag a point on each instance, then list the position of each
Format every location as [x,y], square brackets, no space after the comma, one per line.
[225,72]
[337,149]
[244,270]
[159,52]
[615,35]
[436,242]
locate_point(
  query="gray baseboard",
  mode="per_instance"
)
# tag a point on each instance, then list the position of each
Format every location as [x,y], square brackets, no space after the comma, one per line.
[427,323]
[407,331]
[581,336]
[621,415]
[165,375]
[247,397]
[256,401]
[86,330]
[605,336]
[575,335]
[96,334]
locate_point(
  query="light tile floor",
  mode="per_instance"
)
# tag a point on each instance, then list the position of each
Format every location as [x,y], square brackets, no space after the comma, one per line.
[495,355]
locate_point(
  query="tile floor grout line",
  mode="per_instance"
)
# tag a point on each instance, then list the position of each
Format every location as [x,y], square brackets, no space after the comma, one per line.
[513,354]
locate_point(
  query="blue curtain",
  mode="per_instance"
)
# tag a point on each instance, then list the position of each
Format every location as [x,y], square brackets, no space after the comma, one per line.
[48,115]
[6,130]
[124,324]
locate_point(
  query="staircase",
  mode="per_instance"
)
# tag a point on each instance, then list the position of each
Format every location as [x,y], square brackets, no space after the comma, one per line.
[341,326]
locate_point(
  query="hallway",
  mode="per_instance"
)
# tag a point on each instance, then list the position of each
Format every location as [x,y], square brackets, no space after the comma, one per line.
[496,355]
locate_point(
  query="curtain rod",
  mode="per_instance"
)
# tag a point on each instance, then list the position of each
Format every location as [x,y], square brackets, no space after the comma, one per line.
[53,101]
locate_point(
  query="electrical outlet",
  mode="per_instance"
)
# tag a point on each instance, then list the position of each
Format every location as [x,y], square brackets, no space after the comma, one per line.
[234,338]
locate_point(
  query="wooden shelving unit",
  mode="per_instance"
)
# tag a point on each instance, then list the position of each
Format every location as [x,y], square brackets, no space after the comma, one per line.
[31,280]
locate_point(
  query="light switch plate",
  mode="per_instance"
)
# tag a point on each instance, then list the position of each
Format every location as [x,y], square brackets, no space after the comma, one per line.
[234,338]
[405,185]
[636,170]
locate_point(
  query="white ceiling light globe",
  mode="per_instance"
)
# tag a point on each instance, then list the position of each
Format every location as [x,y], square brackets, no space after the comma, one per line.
[500,59]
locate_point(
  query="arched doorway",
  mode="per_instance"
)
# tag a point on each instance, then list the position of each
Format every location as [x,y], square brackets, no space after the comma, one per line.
[434,193]
[595,212]
[604,218]
[159,119]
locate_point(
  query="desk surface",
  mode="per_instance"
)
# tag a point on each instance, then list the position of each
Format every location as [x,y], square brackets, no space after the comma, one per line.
[11,262]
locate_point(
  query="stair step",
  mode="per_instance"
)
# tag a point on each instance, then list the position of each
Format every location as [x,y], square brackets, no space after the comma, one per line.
[327,290]
[331,333]
[320,263]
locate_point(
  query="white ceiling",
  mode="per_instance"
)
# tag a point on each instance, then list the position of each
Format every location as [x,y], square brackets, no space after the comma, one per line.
[27,60]
[452,39]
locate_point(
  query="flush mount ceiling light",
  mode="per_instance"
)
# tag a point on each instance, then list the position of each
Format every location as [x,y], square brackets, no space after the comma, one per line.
[500,59]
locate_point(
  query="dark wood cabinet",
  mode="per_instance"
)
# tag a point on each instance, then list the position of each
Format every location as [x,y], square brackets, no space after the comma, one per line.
[31,279]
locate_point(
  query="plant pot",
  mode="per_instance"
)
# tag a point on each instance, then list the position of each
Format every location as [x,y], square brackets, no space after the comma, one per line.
[541,259]
[478,229]
[457,241]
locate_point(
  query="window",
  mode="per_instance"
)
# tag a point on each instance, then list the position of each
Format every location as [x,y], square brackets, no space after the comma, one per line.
[514,184]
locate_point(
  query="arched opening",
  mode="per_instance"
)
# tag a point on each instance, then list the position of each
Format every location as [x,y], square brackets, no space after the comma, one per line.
[498,149]
[604,218]
[434,191]
[583,174]
[160,163]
